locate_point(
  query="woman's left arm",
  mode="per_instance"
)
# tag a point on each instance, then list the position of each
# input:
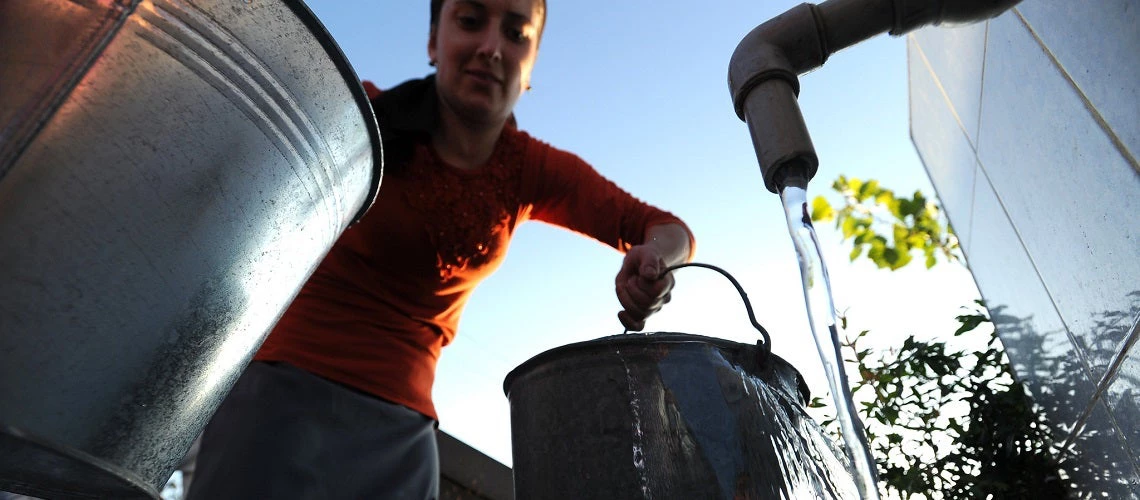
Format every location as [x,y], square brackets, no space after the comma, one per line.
[562,189]
[642,285]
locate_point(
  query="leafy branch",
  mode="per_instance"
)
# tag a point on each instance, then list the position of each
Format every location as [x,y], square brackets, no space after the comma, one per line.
[941,422]
[949,423]
[887,227]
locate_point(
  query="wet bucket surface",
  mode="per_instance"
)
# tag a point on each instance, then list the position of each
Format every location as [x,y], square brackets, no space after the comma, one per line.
[667,415]
[171,171]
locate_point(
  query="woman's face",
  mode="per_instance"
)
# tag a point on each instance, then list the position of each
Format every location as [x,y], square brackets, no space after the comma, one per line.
[484,52]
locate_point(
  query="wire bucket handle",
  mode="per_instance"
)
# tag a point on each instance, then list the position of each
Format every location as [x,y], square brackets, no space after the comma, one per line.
[764,347]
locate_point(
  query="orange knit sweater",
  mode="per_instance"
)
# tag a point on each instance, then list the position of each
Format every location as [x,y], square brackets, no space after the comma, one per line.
[388,296]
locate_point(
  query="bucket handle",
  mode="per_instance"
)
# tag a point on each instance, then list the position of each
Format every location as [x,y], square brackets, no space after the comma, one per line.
[764,347]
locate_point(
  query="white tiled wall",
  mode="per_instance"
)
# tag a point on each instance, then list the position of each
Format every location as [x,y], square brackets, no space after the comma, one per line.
[1029,126]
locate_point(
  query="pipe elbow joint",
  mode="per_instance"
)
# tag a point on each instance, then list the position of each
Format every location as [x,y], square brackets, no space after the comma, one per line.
[784,47]
[764,84]
[753,64]
[763,71]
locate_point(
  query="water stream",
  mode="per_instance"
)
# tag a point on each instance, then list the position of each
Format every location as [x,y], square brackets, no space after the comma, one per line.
[821,317]
[638,434]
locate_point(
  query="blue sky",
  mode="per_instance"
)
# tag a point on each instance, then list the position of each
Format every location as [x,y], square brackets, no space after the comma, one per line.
[638,88]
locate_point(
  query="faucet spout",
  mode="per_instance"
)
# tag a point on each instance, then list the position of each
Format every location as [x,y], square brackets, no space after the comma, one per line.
[763,72]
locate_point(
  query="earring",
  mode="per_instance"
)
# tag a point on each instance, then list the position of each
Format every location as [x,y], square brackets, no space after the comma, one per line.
[528,88]
[431,63]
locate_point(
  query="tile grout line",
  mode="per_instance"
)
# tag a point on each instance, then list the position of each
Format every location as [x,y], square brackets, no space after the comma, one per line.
[982,88]
[978,130]
[1105,381]
[911,46]
[1117,142]
[1126,346]
[942,90]
[1081,356]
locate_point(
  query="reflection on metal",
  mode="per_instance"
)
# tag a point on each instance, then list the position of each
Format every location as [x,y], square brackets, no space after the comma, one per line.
[188,36]
[47,46]
[667,415]
[171,171]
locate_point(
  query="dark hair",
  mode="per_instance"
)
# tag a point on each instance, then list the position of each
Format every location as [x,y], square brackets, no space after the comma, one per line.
[406,114]
[437,6]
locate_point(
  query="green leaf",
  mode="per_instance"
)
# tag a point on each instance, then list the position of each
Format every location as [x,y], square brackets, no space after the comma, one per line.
[900,233]
[919,240]
[869,189]
[902,258]
[849,227]
[856,252]
[894,206]
[885,197]
[969,323]
[876,252]
[821,210]
[919,200]
[891,415]
[891,257]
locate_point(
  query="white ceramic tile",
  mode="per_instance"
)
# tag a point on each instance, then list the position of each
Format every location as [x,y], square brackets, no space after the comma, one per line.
[946,153]
[1033,334]
[956,55]
[1066,188]
[1096,43]
[1102,466]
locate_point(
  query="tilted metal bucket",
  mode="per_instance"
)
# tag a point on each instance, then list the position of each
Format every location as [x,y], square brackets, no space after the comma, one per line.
[171,171]
[667,415]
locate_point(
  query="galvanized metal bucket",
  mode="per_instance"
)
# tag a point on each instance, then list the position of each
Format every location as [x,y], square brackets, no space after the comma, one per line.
[171,171]
[667,415]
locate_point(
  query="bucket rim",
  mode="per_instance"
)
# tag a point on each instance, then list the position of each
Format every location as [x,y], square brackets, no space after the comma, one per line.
[356,87]
[631,339]
[126,476]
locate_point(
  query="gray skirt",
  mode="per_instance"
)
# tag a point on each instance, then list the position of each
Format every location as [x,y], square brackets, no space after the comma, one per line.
[283,432]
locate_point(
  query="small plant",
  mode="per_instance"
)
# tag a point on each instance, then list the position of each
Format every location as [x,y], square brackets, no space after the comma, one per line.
[942,422]
[886,227]
[952,423]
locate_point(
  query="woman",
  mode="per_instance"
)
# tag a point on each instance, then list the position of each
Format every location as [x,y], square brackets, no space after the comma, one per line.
[337,403]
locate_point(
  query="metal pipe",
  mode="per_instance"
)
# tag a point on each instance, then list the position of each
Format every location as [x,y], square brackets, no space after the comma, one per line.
[801,40]
[782,137]
[848,22]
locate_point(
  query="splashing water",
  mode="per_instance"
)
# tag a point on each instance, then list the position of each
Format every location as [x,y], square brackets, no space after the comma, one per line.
[821,318]
[810,465]
[638,435]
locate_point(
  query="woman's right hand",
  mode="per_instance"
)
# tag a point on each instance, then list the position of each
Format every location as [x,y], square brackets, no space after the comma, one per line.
[641,288]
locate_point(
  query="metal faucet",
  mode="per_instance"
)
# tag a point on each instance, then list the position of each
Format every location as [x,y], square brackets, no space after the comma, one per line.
[763,72]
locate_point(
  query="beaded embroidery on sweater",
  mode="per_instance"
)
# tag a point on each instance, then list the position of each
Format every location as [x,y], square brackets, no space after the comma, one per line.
[466,211]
